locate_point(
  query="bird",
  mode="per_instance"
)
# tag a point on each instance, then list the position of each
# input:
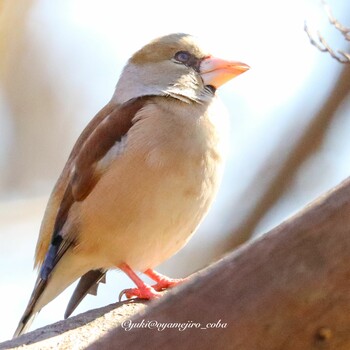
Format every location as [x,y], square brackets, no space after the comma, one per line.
[140,178]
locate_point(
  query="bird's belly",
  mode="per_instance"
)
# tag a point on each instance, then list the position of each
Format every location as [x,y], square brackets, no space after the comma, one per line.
[142,215]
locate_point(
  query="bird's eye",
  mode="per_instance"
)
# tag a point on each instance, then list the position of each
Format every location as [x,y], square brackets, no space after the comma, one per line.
[182,56]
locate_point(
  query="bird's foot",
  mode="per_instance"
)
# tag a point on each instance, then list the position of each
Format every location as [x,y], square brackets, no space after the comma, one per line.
[143,292]
[163,282]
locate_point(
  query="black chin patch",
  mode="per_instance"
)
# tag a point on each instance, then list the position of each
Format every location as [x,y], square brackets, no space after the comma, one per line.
[211,88]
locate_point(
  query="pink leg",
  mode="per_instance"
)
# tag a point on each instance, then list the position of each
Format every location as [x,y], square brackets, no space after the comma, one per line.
[142,291]
[163,282]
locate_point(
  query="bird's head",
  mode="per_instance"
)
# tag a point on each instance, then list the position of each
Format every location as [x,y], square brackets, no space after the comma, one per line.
[175,65]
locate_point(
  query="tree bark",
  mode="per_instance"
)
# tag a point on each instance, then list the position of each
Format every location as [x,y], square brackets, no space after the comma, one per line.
[288,290]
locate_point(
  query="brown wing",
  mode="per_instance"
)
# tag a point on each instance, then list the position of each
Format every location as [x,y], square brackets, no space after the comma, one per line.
[55,201]
[79,175]
[75,183]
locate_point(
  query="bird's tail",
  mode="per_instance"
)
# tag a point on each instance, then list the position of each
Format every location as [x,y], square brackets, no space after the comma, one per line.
[67,270]
[32,308]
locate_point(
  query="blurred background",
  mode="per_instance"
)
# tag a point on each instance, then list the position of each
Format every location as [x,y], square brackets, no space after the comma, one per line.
[59,63]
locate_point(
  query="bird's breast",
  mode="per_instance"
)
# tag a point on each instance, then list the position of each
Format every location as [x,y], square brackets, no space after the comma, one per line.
[155,193]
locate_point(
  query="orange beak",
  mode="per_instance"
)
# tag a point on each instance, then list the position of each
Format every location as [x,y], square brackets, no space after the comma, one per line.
[216,71]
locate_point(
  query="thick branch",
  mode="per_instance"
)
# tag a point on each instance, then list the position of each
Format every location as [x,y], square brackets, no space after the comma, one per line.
[76,332]
[288,290]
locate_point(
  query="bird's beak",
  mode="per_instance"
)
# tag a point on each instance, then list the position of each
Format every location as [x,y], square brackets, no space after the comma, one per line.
[216,71]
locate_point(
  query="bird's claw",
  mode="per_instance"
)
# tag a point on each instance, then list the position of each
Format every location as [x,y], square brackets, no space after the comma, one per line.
[121,294]
[146,292]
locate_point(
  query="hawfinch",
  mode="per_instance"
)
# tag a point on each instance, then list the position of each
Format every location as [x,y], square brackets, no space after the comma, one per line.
[140,178]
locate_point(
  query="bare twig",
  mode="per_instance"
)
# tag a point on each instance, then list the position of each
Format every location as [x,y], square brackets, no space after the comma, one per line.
[344,30]
[339,58]
[322,45]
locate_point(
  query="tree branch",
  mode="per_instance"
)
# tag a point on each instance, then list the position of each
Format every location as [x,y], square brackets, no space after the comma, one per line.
[287,290]
[345,31]
[322,45]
